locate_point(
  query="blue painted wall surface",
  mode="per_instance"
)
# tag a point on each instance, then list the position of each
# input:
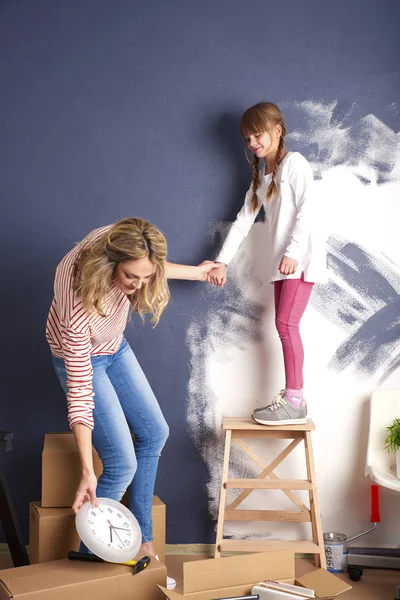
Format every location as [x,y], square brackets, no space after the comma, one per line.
[120,108]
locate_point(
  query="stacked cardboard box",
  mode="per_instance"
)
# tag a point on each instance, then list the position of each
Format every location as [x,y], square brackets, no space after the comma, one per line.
[52,531]
[52,534]
[61,469]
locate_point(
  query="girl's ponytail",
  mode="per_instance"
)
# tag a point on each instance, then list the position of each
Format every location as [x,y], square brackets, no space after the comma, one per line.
[272,188]
[255,182]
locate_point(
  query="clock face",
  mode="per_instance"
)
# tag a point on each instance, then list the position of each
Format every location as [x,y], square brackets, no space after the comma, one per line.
[110,530]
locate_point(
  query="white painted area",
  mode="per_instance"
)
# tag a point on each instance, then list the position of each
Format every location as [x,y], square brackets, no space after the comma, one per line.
[239,379]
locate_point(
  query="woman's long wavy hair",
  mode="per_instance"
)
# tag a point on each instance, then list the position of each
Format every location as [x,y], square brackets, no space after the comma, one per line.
[129,239]
[261,118]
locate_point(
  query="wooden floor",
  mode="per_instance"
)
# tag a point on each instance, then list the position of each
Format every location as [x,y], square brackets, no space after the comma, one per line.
[375,584]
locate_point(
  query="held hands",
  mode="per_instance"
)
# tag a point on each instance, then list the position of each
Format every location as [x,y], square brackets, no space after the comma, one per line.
[205,268]
[86,491]
[288,266]
[218,275]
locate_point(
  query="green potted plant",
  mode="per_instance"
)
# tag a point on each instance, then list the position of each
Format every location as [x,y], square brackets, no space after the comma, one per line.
[392,442]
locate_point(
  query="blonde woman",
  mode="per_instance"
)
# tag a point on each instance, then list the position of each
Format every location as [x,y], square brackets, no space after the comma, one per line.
[114,270]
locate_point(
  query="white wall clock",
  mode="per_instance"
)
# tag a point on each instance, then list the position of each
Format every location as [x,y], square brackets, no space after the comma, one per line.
[110,531]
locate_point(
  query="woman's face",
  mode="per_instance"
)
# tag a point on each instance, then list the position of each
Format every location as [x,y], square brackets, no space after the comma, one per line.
[130,275]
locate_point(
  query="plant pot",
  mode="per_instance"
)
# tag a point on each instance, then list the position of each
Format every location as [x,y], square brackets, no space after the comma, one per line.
[398,464]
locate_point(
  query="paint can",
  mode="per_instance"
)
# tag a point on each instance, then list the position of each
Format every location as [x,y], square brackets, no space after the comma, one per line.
[335,551]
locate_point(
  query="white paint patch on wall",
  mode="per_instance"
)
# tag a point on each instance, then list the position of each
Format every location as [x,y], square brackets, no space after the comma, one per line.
[236,357]
[326,137]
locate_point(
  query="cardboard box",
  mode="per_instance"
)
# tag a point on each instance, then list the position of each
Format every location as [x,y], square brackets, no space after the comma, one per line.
[69,580]
[61,469]
[159,527]
[159,518]
[52,532]
[236,575]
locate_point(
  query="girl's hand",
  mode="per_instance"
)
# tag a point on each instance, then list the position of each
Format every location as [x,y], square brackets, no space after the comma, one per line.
[86,491]
[218,275]
[205,268]
[288,266]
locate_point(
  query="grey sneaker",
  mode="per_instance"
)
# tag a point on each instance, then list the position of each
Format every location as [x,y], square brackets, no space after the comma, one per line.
[281,412]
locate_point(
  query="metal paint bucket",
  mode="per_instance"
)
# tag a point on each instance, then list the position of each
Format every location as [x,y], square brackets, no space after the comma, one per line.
[335,551]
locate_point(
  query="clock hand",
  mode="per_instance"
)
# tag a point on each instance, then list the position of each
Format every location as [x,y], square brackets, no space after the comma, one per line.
[112,527]
[121,528]
[119,538]
[111,535]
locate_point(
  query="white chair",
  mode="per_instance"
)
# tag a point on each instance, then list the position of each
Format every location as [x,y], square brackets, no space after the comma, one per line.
[381,467]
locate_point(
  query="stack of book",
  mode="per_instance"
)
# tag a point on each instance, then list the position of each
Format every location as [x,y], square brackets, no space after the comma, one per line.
[278,590]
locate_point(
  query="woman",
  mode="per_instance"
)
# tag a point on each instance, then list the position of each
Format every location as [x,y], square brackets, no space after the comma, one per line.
[115,270]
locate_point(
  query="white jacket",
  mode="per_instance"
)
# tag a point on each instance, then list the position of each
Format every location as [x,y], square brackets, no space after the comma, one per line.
[292,216]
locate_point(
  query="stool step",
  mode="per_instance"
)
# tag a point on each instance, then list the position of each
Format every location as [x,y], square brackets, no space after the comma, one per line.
[268,515]
[262,545]
[269,484]
[244,423]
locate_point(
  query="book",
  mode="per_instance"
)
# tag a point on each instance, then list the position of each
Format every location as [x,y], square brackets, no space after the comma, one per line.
[278,590]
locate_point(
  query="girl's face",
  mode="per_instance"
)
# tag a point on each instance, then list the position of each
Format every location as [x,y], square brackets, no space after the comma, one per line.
[265,144]
[130,275]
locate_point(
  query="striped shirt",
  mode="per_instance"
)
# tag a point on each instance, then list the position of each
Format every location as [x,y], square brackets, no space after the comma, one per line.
[75,335]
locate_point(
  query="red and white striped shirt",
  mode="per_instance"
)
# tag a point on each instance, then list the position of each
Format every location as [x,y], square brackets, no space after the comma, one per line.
[75,334]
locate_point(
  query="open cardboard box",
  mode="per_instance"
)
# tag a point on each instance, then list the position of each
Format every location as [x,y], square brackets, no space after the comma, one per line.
[236,575]
[71,579]
[52,531]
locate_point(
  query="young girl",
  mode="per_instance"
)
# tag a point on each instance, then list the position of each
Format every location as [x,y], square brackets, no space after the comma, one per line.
[284,187]
[114,270]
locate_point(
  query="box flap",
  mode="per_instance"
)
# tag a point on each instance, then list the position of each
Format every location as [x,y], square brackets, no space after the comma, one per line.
[227,592]
[50,512]
[231,571]
[325,584]
[170,593]
[59,442]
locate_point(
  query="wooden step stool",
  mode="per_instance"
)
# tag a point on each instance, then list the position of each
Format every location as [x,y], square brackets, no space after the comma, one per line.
[238,428]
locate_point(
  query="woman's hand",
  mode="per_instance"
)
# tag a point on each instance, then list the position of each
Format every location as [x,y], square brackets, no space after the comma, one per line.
[218,275]
[189,272]
[288,266]
[205,268]
[86,491]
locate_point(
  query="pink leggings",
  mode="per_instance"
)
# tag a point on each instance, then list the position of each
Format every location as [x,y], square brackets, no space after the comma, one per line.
[291,299]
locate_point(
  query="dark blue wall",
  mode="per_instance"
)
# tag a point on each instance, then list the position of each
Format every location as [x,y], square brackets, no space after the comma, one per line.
[131,107]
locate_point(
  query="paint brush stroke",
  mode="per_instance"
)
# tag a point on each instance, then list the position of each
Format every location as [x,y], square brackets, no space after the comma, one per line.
[362,297]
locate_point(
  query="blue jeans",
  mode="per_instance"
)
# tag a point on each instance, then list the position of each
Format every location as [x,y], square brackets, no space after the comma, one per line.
[124,403]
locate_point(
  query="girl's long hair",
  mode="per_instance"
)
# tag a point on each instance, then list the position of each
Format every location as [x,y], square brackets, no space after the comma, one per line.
[129,239]
[258,119]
